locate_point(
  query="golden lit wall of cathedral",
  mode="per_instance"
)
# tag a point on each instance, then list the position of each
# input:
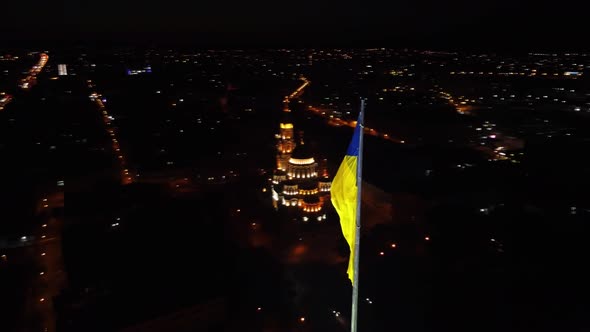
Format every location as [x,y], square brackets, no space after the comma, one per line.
[285,145]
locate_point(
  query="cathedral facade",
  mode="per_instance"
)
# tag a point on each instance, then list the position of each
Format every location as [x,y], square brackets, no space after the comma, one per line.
[299,184]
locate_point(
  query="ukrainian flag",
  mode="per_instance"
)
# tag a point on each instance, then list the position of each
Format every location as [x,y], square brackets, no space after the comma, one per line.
[344,193]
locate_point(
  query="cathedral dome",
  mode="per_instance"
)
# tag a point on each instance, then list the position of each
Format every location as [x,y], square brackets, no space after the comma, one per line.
[301,155]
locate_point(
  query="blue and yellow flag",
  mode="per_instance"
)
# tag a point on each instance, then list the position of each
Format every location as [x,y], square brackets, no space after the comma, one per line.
[344,193]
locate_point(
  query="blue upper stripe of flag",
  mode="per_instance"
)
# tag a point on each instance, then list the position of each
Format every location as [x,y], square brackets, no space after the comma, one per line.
[353,148]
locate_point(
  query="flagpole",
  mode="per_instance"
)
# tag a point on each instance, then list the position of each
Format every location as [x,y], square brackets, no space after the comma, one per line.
[357,240]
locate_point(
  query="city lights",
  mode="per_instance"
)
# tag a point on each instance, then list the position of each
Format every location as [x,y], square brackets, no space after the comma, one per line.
[484,150]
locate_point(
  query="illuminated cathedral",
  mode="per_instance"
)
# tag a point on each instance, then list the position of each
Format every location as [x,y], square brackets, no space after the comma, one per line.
[299,184]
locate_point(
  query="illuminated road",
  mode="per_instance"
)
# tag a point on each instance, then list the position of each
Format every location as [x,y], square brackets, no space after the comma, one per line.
[4,100]
[299,91]
[338,122]
[295,94]
[31,78]
[460,104]
[465,106]
[49,254]
[334,121]
[126,175]
[27,82]
[50,277]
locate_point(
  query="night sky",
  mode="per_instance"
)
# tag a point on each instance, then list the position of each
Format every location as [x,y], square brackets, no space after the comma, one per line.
[503,24]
